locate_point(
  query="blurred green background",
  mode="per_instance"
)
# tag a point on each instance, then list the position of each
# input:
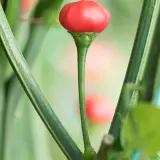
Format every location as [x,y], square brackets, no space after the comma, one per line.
[56,73]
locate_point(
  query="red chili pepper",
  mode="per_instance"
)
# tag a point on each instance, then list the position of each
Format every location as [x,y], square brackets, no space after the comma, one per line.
[84,16]
[98,109]
[26,5]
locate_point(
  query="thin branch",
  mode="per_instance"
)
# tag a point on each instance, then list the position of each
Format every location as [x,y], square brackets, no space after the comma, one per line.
[135,62]
[107,143]
[136,67]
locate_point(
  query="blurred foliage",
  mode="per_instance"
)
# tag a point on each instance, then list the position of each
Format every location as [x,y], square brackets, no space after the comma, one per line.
[141,131]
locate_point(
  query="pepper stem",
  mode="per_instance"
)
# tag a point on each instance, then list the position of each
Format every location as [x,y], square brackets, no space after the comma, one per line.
[83,42]
[81,60]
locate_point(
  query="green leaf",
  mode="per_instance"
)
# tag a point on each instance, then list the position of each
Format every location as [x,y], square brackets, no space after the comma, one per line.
[141,129]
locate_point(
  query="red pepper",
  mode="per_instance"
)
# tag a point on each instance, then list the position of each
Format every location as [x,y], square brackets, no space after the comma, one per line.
[84,16]
[26,5]
[99,110]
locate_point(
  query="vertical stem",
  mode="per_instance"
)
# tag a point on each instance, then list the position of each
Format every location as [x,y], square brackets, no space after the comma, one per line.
[156,97]
[83,42]
[81,59]
[137,66]
[148,72]
[134,64]
[1,121]
[3,69]
[12,12]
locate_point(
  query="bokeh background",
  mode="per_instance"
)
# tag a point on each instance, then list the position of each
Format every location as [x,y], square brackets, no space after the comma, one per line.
[56,73]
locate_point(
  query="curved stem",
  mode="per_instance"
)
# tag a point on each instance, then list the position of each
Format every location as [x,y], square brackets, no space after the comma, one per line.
[83,42]
[35,95]
[38,34]
[81,59]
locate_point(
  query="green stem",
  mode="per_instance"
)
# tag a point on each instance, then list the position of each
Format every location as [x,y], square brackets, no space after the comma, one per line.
[147,73]
[106,143]
[35,95]
[156,97]
[134,65]
[83,42]
[1,120]
[150,75]
[81,59]
[32,50]
[142,66]
[12,11]
[3,68]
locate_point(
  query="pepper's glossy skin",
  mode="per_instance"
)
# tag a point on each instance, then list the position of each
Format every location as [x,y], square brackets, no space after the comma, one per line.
[84,16]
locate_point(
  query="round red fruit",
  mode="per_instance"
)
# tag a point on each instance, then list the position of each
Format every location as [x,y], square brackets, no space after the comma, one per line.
[99,110]
[84,16]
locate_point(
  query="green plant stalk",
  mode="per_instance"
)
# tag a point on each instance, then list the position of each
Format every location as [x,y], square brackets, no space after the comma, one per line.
[83,42]
[12,12]
[149,59]
[149,74]
[38,34]
[134,65]
[1,118]
[3,67]
[31,88]
[149,65]
[136,69]
[156,97]
[81,59]
[31,51]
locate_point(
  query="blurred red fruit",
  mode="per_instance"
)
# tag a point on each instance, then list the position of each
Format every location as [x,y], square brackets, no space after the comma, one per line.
[26,5]
[99,110]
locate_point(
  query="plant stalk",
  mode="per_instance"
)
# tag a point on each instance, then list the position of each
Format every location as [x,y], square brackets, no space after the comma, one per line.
[1,120]
[148,73]
[35,95]
[81,59]
[83,42]
[156,96]
[12,11]
[151,73]
[136,68]
[32,50]
[135,64]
